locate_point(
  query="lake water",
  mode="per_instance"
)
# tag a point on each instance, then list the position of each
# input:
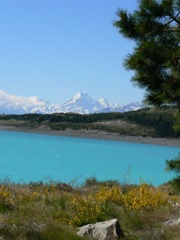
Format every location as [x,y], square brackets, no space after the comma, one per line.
[26,157]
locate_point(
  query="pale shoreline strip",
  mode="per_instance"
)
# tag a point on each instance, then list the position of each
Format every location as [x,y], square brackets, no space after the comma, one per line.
[175,142]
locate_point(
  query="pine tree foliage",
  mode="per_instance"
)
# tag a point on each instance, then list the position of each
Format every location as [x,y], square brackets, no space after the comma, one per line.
[174,165]
[155,28]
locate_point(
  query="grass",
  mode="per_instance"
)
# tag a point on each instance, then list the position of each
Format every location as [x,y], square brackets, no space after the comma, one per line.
[44,211]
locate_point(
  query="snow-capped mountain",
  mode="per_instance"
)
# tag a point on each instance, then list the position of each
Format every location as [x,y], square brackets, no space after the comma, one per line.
[12,104]
[80,103]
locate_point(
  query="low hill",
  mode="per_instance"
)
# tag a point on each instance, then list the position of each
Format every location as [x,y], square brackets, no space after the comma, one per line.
[143,122]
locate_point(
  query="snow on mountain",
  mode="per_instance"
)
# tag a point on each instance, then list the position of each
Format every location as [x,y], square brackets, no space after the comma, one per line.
[11,104]
[80,103]
[131,107]
[105,104]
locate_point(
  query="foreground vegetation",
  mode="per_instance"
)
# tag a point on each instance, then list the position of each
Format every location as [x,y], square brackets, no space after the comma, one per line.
[44,211]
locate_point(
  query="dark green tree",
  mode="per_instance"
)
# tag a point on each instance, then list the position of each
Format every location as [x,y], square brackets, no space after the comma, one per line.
[174,165]
[155,28]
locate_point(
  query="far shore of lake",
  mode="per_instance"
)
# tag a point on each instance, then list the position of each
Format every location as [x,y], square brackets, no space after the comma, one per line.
[97,135]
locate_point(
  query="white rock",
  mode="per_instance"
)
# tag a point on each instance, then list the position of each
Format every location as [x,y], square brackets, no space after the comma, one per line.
[106,230]
[172,222]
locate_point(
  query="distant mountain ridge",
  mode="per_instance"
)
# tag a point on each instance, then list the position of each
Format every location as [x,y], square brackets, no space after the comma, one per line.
[80,103]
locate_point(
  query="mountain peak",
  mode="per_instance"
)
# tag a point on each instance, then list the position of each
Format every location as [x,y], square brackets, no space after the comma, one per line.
[81,103]
[79,95]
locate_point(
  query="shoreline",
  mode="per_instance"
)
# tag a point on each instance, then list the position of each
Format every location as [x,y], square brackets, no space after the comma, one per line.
[174,142]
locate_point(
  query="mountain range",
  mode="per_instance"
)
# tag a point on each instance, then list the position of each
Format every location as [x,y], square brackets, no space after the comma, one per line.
[80,103]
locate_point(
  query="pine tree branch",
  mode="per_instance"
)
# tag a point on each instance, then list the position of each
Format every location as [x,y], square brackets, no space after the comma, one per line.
[171,30]
[174,18]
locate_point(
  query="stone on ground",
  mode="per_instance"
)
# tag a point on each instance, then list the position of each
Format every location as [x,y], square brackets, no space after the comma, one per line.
[106,230]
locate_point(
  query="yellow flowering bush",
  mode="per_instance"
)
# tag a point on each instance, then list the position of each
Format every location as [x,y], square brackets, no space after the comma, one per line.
[135,197]
[89,208]
[45,193]
[5,199]
[113,194]
[83,210]
[4,193]
[144,196]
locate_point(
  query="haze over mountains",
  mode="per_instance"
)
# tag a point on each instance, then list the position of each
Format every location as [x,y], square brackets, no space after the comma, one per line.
[80,103]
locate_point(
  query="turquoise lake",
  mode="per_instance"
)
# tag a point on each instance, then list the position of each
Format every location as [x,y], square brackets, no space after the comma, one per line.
[26,157]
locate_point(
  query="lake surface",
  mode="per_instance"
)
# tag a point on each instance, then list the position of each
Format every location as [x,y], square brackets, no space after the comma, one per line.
[26,157]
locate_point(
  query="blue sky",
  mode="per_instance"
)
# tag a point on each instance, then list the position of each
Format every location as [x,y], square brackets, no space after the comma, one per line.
[55,48]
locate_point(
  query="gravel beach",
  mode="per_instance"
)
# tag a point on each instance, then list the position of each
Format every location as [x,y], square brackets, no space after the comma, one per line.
[98,135]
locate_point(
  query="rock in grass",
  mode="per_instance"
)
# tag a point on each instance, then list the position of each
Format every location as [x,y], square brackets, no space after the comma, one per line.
[172,222]
[106,230]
